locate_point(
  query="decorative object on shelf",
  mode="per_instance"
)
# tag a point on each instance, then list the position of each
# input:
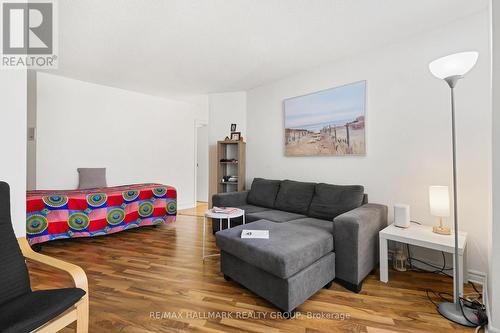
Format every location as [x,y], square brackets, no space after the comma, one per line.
[235,136]
[233,128]
[229,160]
[439,201]
[328,122]
[226,138]
[452,68]
[399,260]
[402,215]
[229,179]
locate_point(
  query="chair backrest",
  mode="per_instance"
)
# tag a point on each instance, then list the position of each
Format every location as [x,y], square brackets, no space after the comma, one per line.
[14,277]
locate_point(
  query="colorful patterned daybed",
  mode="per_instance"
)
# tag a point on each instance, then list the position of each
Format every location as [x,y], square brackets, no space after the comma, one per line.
[86,213]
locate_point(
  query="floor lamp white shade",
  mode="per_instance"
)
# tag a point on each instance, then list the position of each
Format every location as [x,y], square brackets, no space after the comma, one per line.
[453,64]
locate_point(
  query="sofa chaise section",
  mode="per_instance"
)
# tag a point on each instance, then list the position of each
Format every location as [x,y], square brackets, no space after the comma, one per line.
[286,269]
[342,210]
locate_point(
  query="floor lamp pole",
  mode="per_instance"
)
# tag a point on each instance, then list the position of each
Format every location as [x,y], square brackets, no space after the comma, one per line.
[455,210]
[452,68]
[455,311]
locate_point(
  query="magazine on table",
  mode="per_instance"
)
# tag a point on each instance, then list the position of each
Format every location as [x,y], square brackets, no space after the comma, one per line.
[224,210]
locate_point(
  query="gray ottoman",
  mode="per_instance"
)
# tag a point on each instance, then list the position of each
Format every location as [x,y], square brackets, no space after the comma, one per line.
[286,269]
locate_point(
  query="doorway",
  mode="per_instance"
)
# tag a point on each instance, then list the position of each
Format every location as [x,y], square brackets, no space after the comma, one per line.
[201,163]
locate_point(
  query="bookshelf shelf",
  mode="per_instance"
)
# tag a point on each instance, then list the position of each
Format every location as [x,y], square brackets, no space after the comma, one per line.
[231,162]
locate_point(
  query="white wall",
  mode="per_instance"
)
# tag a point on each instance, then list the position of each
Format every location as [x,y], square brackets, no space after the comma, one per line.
[224,109]
[13,101]
[408,128]
[494,229]
[138,138]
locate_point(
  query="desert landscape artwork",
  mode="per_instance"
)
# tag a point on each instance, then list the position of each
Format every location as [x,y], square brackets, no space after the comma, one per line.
[328,122]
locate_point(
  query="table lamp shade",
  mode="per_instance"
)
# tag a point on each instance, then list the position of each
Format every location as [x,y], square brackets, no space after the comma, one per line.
[457,64]
[439,200]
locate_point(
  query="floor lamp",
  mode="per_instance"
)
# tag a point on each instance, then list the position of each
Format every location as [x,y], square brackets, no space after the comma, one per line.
[451,69]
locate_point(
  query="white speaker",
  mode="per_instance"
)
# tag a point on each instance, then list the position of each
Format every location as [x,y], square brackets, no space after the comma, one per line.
[402,215]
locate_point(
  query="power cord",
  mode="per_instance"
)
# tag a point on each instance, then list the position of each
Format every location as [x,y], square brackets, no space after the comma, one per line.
[440,270]
[478,308]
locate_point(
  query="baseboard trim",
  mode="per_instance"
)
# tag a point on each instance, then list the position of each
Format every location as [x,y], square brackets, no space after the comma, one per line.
[476,277]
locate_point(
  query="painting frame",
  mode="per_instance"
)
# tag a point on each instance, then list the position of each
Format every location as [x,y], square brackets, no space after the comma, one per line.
[355,149]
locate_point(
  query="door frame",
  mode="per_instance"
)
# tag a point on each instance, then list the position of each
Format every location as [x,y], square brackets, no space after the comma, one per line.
[197,124]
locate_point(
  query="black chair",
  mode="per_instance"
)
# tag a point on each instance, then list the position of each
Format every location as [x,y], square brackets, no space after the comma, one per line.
[43,311]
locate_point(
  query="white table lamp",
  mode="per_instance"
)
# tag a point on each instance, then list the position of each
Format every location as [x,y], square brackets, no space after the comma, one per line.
[439,201]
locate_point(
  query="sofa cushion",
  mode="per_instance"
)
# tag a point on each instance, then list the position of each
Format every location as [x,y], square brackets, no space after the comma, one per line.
[315,223]
[329,201]
[263,192]
[289,249]
[294,196]
[273,215]
[249,209]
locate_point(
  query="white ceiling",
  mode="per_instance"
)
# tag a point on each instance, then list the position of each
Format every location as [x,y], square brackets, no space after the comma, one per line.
[166,47]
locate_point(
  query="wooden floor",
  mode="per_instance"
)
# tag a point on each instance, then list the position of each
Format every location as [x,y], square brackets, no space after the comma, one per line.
[135,273]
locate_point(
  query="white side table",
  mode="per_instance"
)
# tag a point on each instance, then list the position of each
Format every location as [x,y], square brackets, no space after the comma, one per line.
[219,216]
[423,236]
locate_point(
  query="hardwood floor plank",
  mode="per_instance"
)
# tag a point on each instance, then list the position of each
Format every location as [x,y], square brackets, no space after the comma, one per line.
[137,276]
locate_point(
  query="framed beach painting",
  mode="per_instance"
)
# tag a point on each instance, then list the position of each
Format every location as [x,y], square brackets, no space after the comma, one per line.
[326,123]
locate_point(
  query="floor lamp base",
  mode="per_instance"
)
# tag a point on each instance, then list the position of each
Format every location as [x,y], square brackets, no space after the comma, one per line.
[451,312]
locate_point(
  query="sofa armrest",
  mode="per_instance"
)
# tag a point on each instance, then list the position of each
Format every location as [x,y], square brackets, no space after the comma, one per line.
[356,242]
[231,199]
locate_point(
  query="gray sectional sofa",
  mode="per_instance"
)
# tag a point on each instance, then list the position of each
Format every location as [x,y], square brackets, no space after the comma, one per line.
[318,233]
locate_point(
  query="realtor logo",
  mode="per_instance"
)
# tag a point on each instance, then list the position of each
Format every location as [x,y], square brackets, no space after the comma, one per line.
[28,34]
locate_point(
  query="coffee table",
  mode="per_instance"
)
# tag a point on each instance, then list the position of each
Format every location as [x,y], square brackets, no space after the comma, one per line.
[219,216]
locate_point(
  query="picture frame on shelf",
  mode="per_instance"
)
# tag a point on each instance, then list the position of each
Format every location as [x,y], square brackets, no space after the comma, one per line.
[233,128]
[236,136]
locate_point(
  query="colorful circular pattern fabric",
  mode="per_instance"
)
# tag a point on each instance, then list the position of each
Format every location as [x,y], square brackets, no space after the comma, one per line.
[158,221]
[131,225]
[145,209]
[96,200]
[55,201]
[130,195]
[78,221]
[36,224]
[115,216]
[172,206]
[159,191]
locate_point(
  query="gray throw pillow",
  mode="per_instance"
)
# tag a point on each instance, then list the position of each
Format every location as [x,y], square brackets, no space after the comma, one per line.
[263,192]
[329,201]
[91,178]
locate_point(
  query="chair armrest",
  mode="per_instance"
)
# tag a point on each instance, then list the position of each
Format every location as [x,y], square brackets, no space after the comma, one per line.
[76,272]
[356,241]
[230,199]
